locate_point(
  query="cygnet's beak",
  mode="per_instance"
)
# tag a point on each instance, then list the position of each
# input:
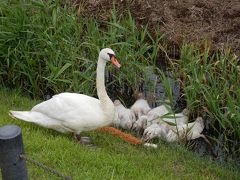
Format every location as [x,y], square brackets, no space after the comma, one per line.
[115,62]
[134,127]
[145,138]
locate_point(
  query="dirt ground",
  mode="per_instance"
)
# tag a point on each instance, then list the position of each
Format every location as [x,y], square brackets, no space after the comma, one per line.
[182,20]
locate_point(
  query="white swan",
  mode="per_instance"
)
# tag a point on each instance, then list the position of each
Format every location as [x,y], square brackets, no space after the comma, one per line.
[72,112]
[141,106]
[141,123]
[124,117]
[188,131]
[156,113]
[155,130]
[176,119]
[145,121]
[175,133]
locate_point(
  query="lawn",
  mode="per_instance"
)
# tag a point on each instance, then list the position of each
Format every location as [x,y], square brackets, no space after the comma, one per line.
[45,48]
[113,159]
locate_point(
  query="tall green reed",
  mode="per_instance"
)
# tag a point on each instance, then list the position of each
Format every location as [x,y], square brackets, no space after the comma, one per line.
[45,46]
[211,85]
[38,46]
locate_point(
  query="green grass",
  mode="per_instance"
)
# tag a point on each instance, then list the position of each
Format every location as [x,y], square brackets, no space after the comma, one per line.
[45,47]
[113,159]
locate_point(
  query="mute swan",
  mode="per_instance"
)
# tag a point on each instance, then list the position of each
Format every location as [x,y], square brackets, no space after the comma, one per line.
[188,131]
[124,117]
[141,123]
[140,107]
[177,119]
[72,112]
[156,113]
[175,133]
[155,130]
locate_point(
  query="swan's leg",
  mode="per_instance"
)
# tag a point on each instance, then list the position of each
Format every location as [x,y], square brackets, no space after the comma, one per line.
[77,136]
[83,140]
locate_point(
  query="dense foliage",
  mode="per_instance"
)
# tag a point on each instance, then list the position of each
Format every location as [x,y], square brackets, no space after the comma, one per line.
[45,46]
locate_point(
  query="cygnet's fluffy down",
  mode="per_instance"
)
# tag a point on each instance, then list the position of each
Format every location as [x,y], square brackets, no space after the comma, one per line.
[124,117]
[175,133]
[140,107]
[141,123]
[156,113]
[177,119]
[186,131]
[154,131]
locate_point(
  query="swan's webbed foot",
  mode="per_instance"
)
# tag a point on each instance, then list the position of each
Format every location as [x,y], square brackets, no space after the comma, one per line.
[84,140]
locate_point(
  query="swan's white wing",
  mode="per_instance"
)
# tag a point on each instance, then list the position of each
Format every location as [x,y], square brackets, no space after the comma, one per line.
[65,104]
[73,110]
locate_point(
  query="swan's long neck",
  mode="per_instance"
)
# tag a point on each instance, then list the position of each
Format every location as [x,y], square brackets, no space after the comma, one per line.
[101,90]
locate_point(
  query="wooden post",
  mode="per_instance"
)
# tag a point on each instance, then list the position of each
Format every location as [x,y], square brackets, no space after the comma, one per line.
[11,147]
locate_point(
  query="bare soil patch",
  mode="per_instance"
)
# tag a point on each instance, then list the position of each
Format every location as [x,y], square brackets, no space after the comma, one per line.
[218,21]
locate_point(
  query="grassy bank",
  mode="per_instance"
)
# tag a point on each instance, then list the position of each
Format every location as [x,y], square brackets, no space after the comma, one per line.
[45,48]
[113,159]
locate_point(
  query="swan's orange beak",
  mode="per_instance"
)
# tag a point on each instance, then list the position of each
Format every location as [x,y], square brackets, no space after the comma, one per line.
[115,62]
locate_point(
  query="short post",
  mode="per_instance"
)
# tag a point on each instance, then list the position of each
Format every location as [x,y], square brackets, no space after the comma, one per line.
[11,147]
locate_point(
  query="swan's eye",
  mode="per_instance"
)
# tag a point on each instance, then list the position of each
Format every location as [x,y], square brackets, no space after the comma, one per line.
[110,55]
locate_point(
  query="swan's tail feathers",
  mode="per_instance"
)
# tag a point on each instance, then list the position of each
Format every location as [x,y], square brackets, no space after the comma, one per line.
[23,115]
[39,119]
